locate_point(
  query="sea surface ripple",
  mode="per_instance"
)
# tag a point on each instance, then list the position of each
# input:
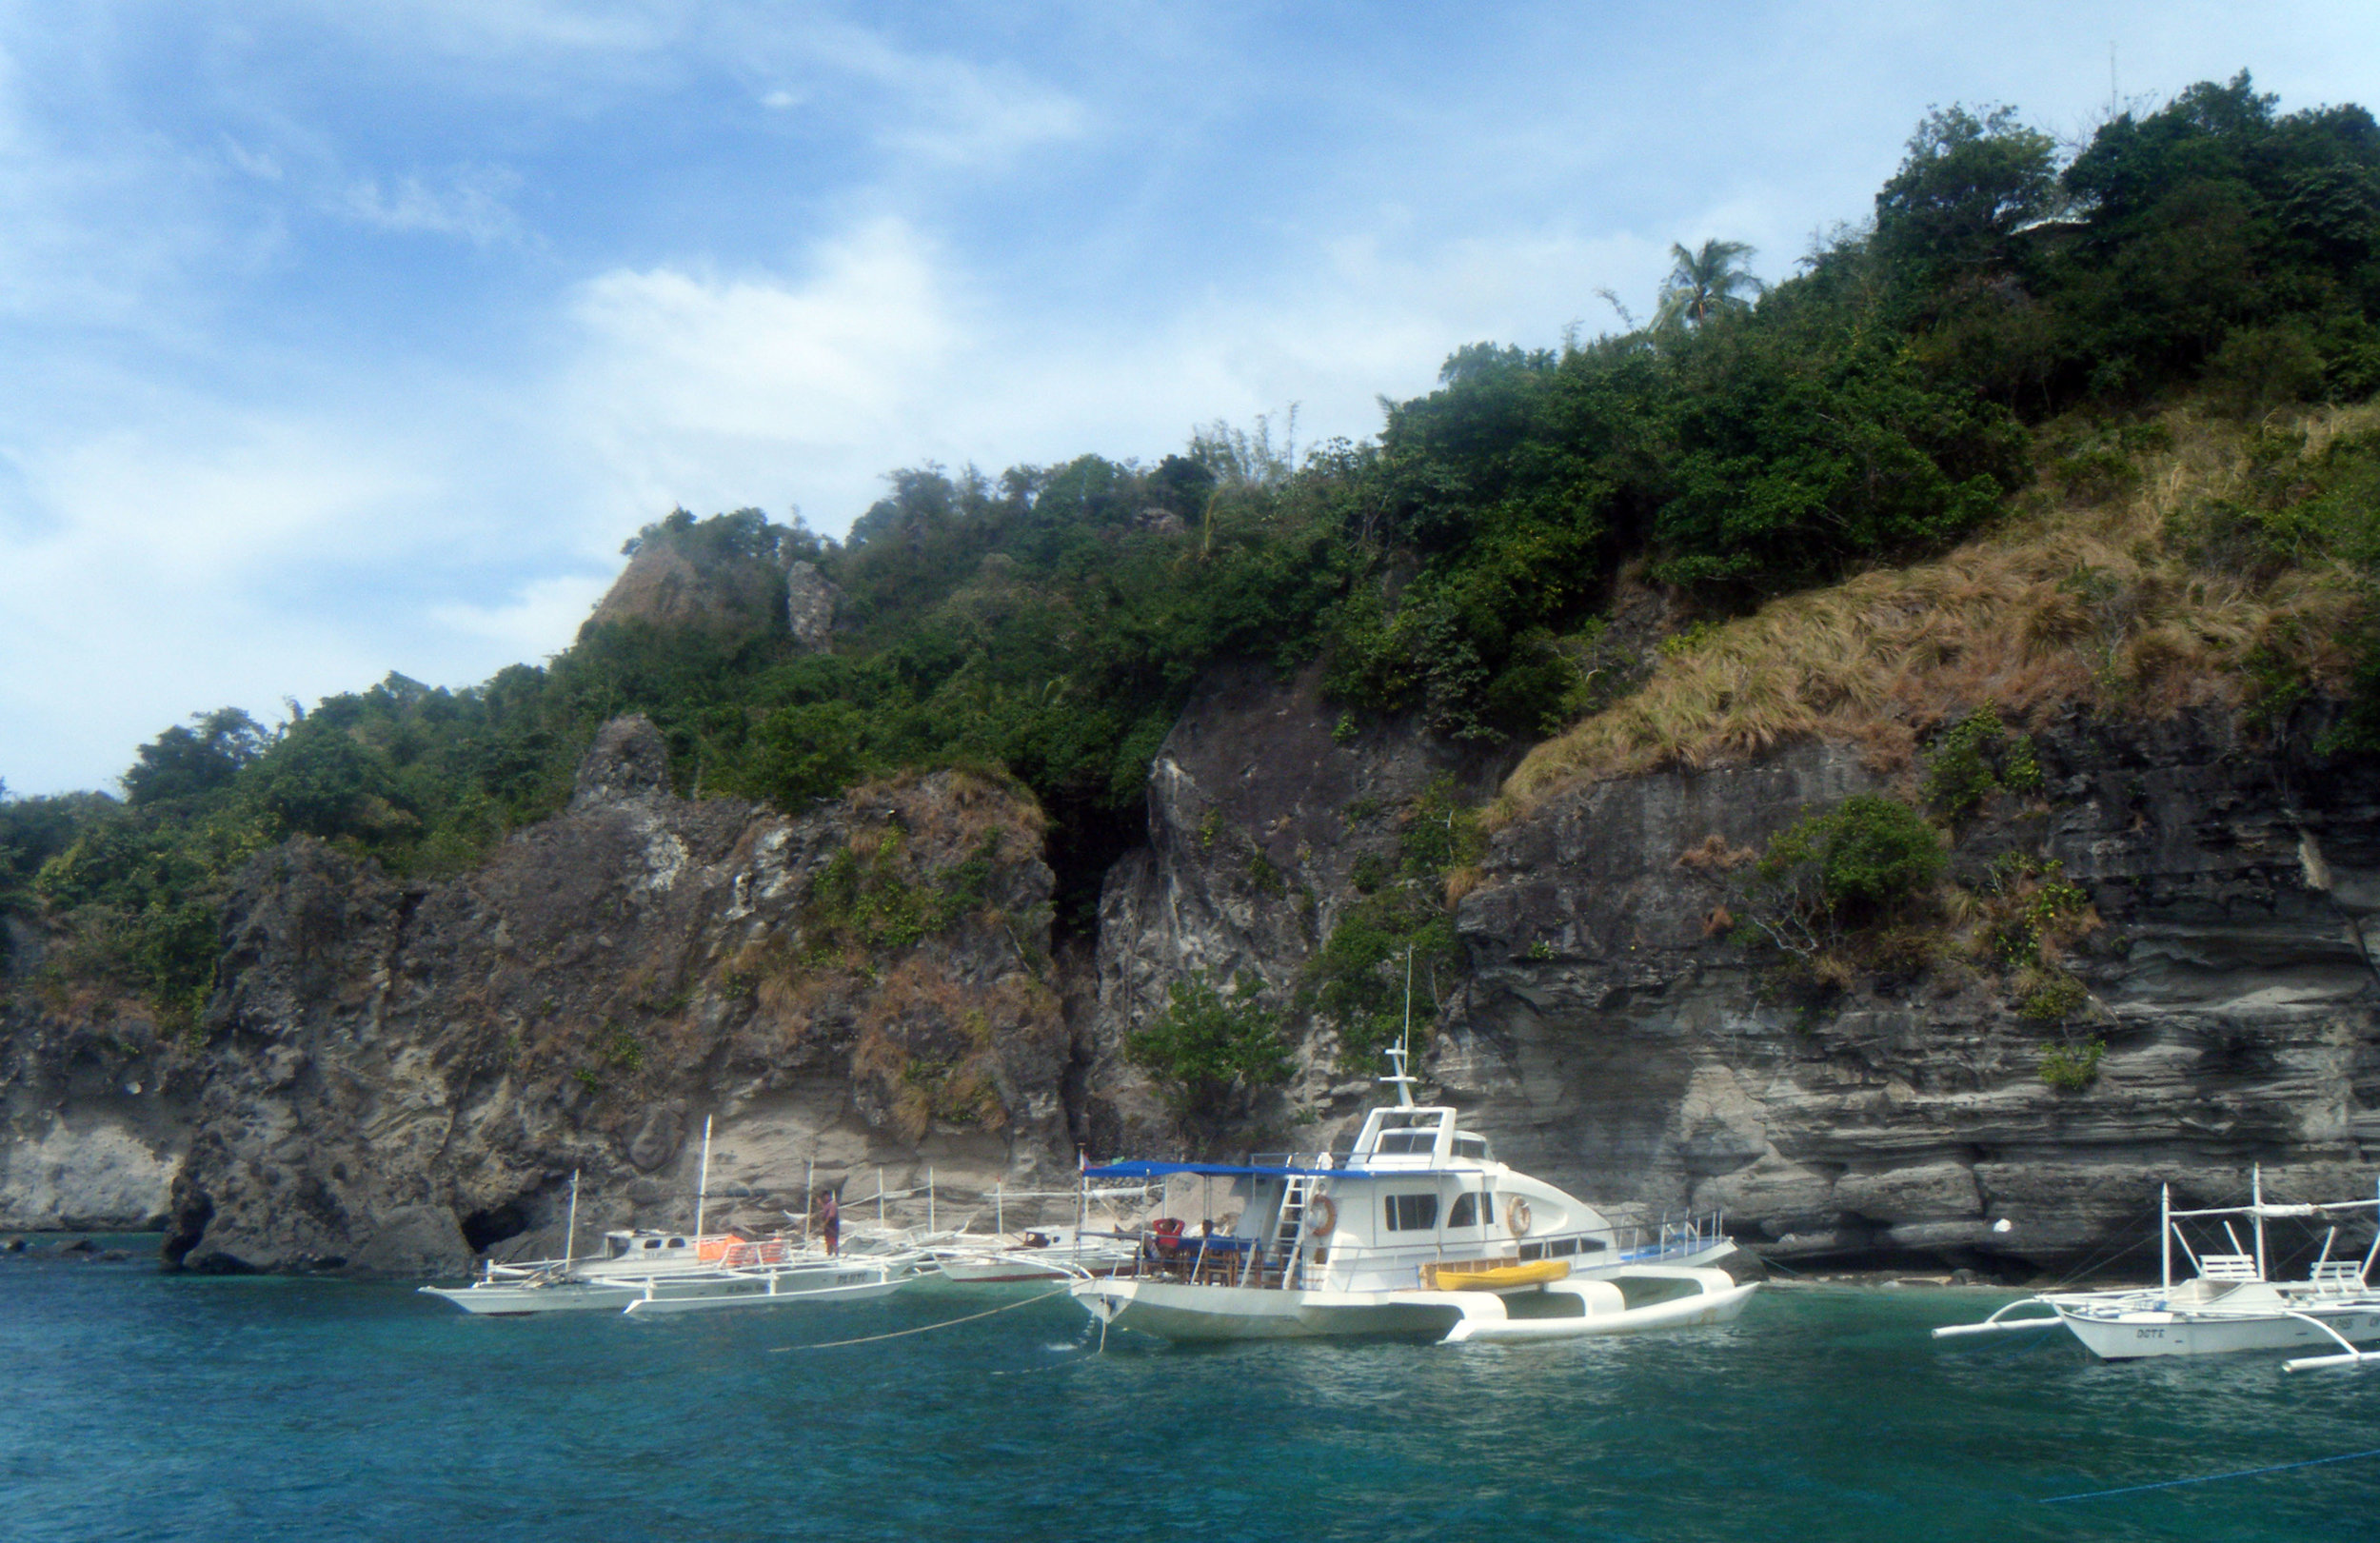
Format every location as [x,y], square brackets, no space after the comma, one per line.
[145,1407]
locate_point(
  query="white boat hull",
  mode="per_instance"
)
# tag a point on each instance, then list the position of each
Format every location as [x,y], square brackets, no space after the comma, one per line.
[2130,1335]
[682,1292]
[506,1300]
[1562,1310]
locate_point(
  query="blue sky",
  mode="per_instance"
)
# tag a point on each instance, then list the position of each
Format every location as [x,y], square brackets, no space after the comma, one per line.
[354,338]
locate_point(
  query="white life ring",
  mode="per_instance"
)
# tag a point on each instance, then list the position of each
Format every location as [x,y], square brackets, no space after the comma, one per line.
[1516,1215]
[1321,1216]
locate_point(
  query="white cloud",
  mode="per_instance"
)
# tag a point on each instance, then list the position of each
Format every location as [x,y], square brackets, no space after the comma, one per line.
[534,621]
[948,111]
[200,557]
[469,202]
[261,165]
[153,585]
[715,394]
[708,392]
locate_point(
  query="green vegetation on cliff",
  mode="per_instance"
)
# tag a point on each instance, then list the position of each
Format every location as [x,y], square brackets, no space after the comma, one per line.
[2025,354]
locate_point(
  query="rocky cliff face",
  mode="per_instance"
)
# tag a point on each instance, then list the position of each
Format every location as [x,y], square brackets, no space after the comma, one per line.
[1608,1033]
[394,1077]
[1259,814]
[94,1101]
[401,1076]
[1614,1038]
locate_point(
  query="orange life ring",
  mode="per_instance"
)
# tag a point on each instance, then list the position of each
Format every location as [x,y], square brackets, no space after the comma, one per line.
[1321,1216]
[1516,1215]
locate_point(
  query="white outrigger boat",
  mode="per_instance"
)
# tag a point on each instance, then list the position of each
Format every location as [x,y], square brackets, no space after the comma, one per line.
[1417,1231]
[2229,1305]
[642,1273]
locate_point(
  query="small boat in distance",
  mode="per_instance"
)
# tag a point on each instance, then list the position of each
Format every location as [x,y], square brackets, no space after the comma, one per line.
[2230,1305]
[1419,1232]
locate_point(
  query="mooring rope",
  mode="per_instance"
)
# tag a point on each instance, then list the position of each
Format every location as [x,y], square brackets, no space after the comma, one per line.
[898,1334]
[2209,1478]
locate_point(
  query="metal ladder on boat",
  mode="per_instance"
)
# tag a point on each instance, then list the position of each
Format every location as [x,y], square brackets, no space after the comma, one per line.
[1289,1231]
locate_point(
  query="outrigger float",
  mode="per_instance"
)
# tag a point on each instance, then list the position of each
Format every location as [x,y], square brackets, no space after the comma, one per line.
[2230,1305]
[1416,1231]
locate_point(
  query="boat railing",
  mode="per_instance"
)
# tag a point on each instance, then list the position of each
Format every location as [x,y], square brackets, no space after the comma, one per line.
[1224,1260]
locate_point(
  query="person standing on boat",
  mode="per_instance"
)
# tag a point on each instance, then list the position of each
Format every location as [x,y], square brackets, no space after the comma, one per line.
[830,1222]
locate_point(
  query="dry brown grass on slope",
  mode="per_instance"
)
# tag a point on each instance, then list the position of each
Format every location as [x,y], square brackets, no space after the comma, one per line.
[2064,603]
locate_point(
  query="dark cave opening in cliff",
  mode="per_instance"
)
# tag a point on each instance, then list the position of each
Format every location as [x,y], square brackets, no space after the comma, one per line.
[1085,838]
[482,1230]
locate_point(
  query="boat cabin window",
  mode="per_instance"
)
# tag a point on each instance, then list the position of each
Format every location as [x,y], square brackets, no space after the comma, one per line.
[1471,1209]
[1407,1141]
[1412,1213]
[617,1247]
[677,1243]
[652,1242]
[1470,1146]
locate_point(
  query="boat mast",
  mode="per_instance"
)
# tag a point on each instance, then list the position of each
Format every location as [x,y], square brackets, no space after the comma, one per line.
[2165,1235]
[703,1183]
[1404,1043]
[571,1230]
[2255,1195]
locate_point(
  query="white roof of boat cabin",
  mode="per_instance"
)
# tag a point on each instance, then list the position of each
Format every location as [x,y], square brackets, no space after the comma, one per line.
[1419,1135]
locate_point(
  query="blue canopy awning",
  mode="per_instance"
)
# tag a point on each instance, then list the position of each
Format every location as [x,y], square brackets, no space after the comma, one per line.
[1138,1168]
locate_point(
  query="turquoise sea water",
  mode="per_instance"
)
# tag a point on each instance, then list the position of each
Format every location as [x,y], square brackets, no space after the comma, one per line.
[138,1405]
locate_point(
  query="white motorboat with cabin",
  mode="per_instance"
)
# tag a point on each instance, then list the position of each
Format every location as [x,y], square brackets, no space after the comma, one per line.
[1417,1231]
[2231,1303]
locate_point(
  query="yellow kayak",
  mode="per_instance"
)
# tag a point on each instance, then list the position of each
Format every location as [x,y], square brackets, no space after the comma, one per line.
[1498,1277]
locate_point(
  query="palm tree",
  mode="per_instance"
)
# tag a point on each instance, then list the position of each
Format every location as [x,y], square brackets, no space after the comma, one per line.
[1705,283]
